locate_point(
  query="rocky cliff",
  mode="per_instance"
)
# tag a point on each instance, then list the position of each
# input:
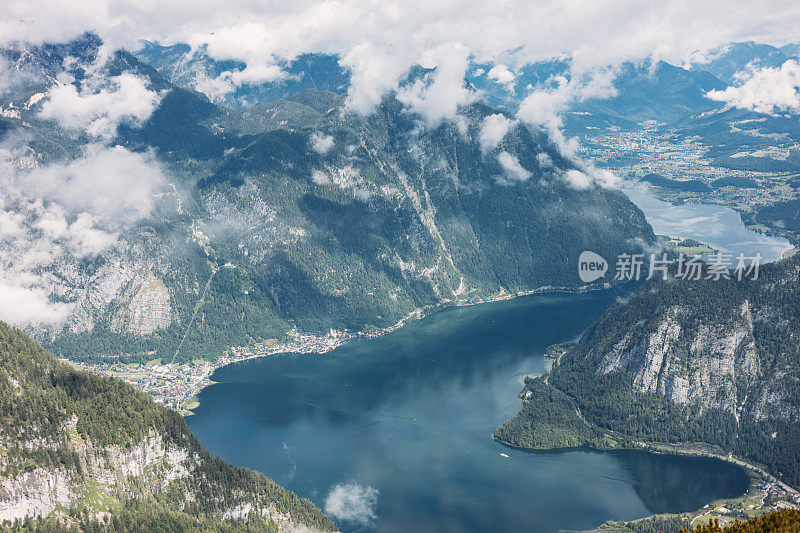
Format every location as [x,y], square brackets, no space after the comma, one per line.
[77,448]
[715,362]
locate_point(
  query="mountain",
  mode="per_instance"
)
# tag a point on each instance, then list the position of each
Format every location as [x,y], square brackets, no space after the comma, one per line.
[733,63]
[79,448]
[195,69]
[501,87]
[713,362]
[298,215]
[651,92]
[791,50]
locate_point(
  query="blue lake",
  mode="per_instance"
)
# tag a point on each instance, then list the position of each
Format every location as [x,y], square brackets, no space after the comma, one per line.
[394,433]
[717,225]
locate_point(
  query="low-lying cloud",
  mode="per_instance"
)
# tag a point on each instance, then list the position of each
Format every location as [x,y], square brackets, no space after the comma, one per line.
[513,171]
[769,91]
[321,143]
[123,99]
[493,129]
[114,183]
[380,42]
[352,502]
[55,216]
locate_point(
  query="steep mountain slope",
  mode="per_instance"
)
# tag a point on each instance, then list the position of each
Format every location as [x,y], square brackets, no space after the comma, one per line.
[707,361]
[77,446]
[194,69]
[298,214]
[660,92]
[734,62]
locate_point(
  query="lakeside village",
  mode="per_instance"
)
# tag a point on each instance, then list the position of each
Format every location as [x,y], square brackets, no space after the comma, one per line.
[176,385]
[763,495]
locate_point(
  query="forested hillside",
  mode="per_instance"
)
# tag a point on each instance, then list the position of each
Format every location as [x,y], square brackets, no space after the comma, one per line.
[84,450]
[713,362]
[297,213]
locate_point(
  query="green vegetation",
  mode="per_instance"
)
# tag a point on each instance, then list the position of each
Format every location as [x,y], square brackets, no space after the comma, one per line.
[389,218]
[783,215]
[549,419]
[658,524]
[306,267]
[782,521]
[554,351]
[676,185]
[61,409]
[595,381]
[741,182]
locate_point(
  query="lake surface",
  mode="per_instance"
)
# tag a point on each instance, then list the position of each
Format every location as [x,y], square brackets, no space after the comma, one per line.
[717,225]
[394,433]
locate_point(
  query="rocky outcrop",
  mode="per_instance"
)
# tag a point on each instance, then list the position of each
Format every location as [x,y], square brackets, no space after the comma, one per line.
[112,469]
[81,447]
[36,493]
[698,365]
[144,306]
[713,344]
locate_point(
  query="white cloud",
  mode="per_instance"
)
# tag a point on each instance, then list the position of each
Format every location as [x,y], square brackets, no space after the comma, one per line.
[493,129]
[769,90]
[605,178]
[545,161]
[438,95]
[113,183]
[352,502]
[87,239]
[502,74]
[125,99]
[577,179]
[362,194]
[23,304]
[53,216]
[10,225]
[544,105]
[11,78]
[512,168]
[321,143]
[320,178]
[381,41]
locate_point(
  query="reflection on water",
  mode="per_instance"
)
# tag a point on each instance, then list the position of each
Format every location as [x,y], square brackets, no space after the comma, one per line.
[407,418]
[716,225]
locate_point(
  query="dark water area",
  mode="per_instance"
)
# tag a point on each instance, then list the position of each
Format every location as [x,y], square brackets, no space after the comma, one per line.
[394,433]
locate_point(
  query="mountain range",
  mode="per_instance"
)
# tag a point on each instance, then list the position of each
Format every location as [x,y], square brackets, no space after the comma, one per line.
[293,214]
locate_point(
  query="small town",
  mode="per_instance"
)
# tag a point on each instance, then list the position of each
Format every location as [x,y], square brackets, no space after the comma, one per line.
[176,385]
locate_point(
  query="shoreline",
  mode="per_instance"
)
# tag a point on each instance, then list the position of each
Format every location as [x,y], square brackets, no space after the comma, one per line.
[340,338]
[763,484]
[178,385]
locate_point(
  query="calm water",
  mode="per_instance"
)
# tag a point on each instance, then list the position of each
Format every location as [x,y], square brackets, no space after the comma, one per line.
[716,225]
[394,433]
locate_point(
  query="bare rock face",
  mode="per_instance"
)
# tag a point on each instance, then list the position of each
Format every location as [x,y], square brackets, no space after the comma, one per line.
[715,345]
[35,493]
[112,470]
[706,372]
[145,306]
